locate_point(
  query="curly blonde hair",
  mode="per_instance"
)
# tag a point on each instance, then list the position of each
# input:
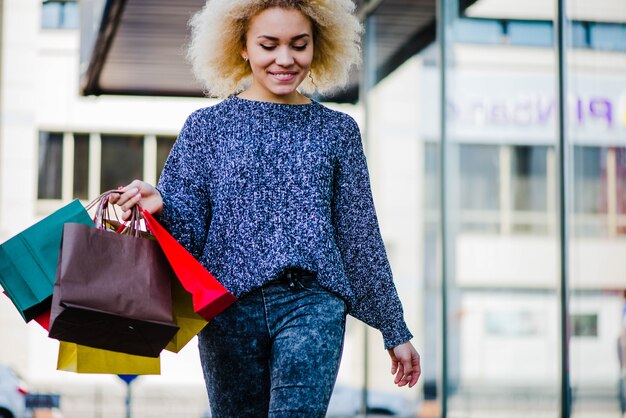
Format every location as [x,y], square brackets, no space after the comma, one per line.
[218,34]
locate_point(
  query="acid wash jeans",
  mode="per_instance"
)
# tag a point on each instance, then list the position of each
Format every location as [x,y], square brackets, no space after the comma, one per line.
[275,352]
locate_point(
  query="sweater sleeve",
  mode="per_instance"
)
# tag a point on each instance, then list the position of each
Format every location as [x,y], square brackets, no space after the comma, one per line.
[186,205]
[360,243]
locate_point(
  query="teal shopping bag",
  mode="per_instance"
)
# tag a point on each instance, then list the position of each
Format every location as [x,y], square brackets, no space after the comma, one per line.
[28,261]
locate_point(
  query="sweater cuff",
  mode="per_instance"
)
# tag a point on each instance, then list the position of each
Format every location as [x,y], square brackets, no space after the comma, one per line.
[395,334]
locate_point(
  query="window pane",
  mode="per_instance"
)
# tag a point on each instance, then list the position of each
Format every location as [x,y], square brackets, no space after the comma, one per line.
[50,165]
[164,145]
[530,33]
[480,169]
[608,36]
[529,188]
[51,15]
[479,186]
[584,325]
[71,16]
[81,166]
[579,35]
[479,31]
[589,180]
[528,175]
[122,160]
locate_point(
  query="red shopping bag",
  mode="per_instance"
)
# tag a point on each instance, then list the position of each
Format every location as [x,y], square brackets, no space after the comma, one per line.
[208,295]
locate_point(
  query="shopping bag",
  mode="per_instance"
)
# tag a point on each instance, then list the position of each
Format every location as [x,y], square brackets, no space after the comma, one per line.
[82,359]
[28,261]
[112,291]
[189,322]
[208,295]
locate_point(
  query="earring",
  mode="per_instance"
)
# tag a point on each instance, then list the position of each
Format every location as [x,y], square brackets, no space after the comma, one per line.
[245,58]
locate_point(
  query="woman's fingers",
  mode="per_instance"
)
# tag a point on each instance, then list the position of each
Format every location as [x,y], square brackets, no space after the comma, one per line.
[405,364]
[414,367]
[399,376]
[394,362]
[132,194]
[138,192]
[414,378]
[129,199]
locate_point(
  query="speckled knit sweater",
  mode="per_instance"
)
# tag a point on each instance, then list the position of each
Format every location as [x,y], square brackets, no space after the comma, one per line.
[251,188]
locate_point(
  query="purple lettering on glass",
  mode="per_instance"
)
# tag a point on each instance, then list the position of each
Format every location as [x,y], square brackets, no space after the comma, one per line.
[522,113]
[498,114]
[579,110]
[478,113]
[545,109]
[601,108]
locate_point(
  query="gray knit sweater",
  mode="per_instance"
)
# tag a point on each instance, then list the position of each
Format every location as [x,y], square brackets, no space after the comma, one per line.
[251,188]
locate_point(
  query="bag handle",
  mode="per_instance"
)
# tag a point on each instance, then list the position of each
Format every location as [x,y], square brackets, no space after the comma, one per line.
[107,219]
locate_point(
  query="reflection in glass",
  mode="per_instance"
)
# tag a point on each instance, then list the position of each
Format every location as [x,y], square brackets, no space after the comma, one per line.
[479,177]
[500,260]
[597,241]
[584,325]
[479,187]
[529,188]
[590,192]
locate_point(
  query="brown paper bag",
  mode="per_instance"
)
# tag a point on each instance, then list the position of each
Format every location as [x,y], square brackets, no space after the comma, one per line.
[112,292]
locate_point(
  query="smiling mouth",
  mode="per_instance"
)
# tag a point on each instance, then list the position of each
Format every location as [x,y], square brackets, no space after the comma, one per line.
[283,76]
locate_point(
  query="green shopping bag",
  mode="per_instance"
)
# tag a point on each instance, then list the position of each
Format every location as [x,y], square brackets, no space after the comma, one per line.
[28,261]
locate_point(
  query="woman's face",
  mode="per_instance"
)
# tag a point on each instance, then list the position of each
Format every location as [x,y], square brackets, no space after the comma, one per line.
[279,47]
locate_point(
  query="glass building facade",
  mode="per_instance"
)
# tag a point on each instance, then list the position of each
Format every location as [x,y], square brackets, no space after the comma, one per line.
[498,159]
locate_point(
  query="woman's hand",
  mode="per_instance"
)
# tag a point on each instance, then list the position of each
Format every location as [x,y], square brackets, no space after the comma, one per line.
[405,364]
[138,192]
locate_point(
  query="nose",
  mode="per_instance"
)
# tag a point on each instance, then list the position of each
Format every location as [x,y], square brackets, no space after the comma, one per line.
[284,57]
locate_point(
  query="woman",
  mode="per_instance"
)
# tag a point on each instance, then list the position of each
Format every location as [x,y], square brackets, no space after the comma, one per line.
[270,191]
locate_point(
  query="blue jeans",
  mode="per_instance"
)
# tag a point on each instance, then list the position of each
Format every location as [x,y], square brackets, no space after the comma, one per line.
[276,352]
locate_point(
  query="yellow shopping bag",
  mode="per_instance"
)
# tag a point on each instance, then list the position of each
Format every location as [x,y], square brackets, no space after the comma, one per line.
[81,359]
[189,322]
